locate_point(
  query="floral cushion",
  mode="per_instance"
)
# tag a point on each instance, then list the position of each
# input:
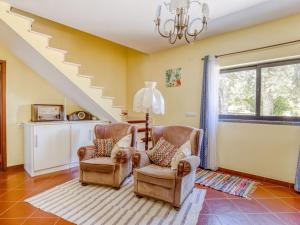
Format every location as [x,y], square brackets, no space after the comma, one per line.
[162,153]
[124,142]
[184,151]
[104,147]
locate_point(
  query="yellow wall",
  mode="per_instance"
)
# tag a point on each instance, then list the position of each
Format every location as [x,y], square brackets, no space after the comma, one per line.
[265,150]
[105,60]
[24,87]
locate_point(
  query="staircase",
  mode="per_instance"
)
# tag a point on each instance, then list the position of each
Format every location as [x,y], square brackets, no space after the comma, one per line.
[34,50]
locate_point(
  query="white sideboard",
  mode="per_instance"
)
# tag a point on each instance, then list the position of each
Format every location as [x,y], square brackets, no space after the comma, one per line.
[53,146]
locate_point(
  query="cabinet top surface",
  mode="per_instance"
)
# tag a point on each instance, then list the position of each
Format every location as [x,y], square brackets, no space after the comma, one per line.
[63,122]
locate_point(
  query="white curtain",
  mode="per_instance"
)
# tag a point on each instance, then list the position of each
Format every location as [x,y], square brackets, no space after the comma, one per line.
[209,113]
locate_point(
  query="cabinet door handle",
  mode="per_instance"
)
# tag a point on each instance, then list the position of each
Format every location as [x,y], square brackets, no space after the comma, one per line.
[36,141]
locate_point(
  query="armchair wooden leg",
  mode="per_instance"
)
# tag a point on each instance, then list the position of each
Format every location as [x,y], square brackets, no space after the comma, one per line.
[138,196]
[177,208]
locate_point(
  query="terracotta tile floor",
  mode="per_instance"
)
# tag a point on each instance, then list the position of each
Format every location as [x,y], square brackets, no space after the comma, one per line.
[271,204]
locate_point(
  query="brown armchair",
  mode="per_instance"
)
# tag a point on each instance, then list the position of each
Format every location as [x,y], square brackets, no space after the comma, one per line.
[163,183]
[106,170]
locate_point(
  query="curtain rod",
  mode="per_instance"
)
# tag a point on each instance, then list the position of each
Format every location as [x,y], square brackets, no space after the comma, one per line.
[256,49]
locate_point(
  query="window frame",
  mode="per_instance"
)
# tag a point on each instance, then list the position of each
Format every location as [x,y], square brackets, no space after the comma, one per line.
[258,117]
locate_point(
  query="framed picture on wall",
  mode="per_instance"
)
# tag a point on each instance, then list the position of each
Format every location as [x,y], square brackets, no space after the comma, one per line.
[45,112]
[173,77]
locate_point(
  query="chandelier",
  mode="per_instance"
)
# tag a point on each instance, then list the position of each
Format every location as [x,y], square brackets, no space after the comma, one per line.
[180,25]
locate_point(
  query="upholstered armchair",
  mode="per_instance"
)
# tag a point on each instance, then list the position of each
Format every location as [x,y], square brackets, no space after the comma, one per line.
[163,183]
[107,170]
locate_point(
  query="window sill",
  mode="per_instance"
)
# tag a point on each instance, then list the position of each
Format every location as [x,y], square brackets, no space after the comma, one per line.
[290,123]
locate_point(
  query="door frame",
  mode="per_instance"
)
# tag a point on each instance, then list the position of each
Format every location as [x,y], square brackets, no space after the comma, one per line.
[3,115]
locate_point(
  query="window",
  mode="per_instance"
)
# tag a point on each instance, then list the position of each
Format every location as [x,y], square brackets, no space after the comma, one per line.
[261,92]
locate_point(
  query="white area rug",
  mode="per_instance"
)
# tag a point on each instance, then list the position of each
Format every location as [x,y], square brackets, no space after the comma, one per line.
[106,206]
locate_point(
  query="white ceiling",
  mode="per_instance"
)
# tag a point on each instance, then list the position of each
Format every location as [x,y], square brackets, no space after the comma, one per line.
[130,22]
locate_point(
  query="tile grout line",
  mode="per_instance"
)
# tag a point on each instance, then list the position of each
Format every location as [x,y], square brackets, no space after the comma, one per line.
[15,203]
[280,199]
[280,219]
[258,202]
[29,216]
[290,206]
[272,213]
[8,209]
[275,213]
[58,219]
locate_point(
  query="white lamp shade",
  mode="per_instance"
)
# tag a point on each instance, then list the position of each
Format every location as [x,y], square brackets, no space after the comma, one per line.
[149,99]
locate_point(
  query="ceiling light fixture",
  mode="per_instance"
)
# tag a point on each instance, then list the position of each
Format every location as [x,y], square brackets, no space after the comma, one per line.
[180,25]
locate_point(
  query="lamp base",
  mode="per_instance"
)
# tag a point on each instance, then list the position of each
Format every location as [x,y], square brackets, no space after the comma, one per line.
[147,131]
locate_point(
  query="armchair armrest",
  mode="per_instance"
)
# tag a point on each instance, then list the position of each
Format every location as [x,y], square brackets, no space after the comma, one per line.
[187,165]
[86,152]
[140,159]
[124,154]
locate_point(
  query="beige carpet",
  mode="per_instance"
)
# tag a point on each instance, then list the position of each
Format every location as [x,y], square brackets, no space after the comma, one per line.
[103,205]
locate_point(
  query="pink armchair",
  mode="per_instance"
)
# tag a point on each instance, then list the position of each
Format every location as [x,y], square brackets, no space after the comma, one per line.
[163,183]
[106,170]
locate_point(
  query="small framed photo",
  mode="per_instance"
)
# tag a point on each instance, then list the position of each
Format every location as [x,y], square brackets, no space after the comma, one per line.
[45,112]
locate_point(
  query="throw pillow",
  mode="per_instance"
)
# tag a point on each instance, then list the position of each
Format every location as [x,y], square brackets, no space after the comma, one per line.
[184,151]
[162,153]
[124,142]
[104,147]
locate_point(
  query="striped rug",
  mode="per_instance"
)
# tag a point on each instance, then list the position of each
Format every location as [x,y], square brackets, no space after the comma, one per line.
[233,185]
[104,205]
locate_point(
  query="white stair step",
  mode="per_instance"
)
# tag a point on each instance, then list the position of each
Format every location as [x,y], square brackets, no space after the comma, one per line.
[83,83]
[87,76]
[23,20]
[107,103]
[57,50]
[41,34]
[19,25]
[72,64]
[97,87]
[22,17]
[119,107]
[39,38]
[117,113]
[5,6]
[56,54]
[95,93]
[108,97]
[68,69]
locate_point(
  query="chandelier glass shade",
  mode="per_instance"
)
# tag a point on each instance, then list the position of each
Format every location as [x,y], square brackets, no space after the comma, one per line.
[180,26]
